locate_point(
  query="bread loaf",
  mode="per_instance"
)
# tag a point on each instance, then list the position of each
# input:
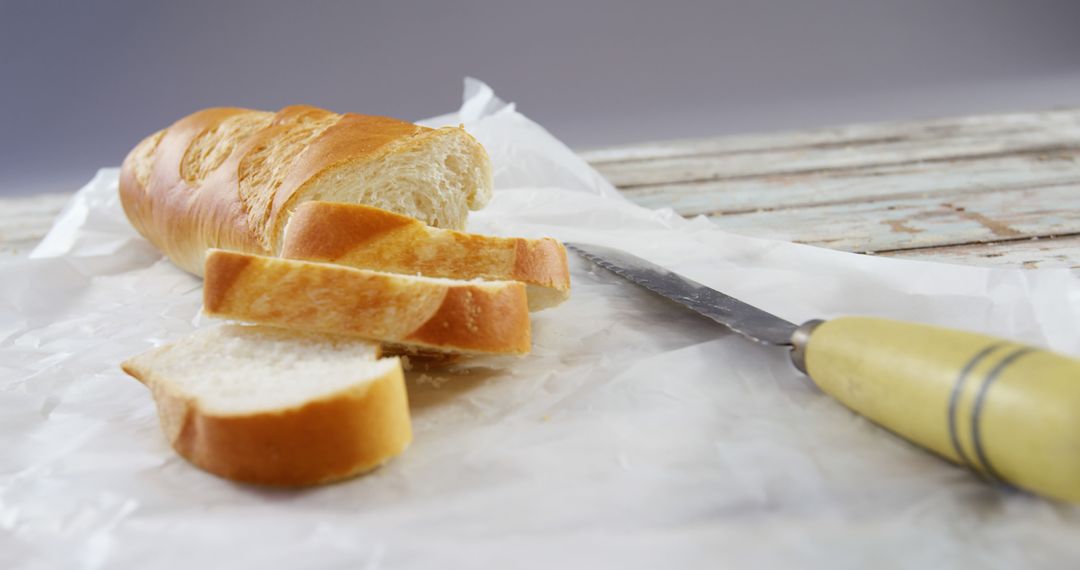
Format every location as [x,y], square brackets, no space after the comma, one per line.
[372,238]
[229,178]
[470,317]
[273,407]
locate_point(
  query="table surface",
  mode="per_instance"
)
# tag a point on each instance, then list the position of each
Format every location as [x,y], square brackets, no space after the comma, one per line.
[994,190]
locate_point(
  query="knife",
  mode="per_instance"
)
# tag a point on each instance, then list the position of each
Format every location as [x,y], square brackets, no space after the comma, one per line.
[1009,412]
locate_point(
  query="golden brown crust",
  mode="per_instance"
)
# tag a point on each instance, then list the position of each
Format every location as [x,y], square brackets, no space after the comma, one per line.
[371,238]
[542,262]
[228,177]
[330,439]
[226,270]
[352,136]
[327,231]
[474,319]
[320,297]
[174,215]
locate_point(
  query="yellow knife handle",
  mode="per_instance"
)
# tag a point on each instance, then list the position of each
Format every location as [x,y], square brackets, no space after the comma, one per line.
[1010,412]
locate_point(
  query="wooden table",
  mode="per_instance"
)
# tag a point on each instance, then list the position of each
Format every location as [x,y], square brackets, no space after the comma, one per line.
[999,190]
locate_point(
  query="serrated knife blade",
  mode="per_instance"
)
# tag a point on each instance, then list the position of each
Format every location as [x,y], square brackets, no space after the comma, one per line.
[746,320]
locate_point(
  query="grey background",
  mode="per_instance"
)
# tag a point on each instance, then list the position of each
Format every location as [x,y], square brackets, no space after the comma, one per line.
[82,82]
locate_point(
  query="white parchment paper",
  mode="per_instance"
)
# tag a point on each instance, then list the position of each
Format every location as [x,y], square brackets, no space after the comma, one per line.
[637,435]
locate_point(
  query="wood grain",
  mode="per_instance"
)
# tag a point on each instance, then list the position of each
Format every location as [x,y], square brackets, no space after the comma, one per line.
[1027,253]
[920,222]
[25,220]
[852,185]
[1043,124]
[974,189]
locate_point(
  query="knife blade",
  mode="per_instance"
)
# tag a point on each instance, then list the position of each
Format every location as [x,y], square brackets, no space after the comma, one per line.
[746,320]
[1007,411]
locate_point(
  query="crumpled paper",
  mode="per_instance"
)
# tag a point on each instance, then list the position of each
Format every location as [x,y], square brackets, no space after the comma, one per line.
[636,435]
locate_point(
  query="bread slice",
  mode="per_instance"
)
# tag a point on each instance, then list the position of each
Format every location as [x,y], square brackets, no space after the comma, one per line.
[426,312]
[268,406]
[229,178]
[373,238]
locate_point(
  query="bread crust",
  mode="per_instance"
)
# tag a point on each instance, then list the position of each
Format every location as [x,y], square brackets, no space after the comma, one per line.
[335,437]
[366,237]
[449,316]
[227,206]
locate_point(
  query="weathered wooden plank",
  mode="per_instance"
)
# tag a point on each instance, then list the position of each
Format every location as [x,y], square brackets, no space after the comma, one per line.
[1027,253]
[17,249]
[25,220]
[876,187]
[630,175]
[975,127]
[918,222]
[882,182]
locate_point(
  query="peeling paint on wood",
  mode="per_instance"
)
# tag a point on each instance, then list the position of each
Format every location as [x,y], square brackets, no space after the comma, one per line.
[832,187]
[943,189]
[25,220]
[999,229]
[984,127]
[910,223]
[901,226]
[740,166]
[1030,253]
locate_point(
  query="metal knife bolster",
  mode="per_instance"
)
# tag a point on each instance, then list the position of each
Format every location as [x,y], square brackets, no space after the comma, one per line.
[799,341]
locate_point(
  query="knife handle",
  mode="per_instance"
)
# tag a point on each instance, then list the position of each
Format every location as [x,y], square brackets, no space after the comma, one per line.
[1010,412]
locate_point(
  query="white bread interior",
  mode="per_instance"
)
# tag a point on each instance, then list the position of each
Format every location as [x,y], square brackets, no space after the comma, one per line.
[277,407]
[436,179]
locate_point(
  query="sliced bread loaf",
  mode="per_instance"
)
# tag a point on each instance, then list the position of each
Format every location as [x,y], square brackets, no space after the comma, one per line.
[438,314]
[273,407]
[373,238]
[229,178]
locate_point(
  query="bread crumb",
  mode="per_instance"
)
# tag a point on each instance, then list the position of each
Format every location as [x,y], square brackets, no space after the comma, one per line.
[433,381]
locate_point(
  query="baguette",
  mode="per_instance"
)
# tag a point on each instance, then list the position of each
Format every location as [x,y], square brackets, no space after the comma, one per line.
[372,238]
[229,178]
[468,317]
[266,406]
